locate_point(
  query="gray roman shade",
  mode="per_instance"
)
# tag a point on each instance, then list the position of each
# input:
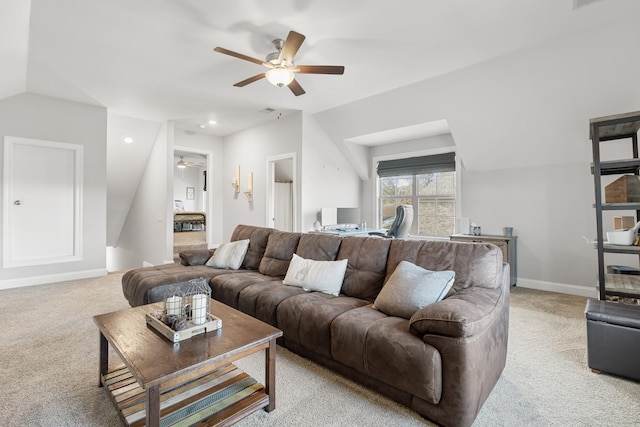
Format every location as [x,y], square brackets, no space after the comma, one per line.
[445,162]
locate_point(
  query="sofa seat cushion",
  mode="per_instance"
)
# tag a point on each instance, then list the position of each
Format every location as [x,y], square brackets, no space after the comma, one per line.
[382,347]
[366,266]
[306,318]
[261,300]
[150,284]
[227,288]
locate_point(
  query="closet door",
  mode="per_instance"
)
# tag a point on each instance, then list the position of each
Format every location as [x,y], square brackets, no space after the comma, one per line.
[42,202]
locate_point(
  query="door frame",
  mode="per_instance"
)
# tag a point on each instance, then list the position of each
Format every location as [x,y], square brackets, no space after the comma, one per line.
[271,173]
[7,235]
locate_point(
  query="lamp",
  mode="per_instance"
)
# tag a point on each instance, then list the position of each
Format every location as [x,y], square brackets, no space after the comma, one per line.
[236,180]
[249,192]
[280,76]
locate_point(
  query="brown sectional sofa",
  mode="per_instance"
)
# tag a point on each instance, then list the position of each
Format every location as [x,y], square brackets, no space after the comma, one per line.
[442,362]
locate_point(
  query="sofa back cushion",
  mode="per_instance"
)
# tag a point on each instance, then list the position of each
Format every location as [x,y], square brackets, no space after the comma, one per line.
[277,256]
[366,266]
[475,264]
[258,237]
[319,247]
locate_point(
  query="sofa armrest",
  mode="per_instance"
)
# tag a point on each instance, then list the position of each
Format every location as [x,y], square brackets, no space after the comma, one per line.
[461,315]
[195,256]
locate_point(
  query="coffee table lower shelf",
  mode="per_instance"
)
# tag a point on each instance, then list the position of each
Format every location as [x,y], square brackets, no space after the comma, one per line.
[218,398]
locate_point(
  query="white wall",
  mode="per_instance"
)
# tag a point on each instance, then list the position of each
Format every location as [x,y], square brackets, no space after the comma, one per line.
[146,237]
[41,117]
[520,123]
[250,149]
[328,179]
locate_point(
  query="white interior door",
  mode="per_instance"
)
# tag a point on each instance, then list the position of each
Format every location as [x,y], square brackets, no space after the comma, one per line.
[283,206]
[42,192]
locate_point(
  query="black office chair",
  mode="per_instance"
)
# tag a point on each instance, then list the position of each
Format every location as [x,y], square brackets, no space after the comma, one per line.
[401,224]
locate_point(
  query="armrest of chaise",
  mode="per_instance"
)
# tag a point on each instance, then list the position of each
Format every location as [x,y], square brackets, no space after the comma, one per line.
[195,256]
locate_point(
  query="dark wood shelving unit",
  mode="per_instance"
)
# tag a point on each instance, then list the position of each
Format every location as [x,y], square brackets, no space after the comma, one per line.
[602,129]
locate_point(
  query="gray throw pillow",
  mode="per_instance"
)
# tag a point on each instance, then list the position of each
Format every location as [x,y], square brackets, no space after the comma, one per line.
[411,288]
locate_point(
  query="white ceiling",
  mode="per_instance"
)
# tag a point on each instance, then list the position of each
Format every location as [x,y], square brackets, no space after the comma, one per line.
[154,59]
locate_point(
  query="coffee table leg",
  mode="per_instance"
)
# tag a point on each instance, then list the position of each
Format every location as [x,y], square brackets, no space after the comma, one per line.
[153,406]
[104,357]
[270,374]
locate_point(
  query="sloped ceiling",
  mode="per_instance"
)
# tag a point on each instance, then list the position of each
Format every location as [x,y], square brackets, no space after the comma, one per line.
[154,59]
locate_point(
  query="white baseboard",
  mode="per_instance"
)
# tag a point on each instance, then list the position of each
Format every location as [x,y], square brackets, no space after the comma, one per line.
[563,288]
[51,278]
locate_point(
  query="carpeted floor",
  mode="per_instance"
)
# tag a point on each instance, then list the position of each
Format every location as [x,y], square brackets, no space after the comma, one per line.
[49,365]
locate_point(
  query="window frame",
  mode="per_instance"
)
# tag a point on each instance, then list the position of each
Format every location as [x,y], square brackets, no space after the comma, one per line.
[376,190]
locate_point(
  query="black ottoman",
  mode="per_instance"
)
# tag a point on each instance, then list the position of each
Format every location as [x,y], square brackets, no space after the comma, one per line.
[613,338]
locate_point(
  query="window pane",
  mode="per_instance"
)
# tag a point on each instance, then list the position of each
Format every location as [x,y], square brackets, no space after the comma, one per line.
[445,208]
[388,186]
[405,186]
[426,185]
[437,184]
[447,184]
[445,226]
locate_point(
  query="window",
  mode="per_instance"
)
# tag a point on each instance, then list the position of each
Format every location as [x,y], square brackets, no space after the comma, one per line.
[427,183]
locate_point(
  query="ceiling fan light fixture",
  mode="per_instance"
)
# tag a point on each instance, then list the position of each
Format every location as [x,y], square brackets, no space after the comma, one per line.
[181,164]
[280,76]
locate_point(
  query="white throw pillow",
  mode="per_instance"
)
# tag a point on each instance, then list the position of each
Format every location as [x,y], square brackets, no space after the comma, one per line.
[229,255]
[312,275]
[411,288]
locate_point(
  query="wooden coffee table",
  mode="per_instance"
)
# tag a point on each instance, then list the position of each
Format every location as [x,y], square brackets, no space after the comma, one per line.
[189,382]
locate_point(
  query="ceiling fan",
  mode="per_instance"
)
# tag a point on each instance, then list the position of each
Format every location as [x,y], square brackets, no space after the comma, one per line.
[281,68]
[182,164]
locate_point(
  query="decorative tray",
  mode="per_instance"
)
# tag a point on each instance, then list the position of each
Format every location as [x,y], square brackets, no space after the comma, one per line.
[213,323]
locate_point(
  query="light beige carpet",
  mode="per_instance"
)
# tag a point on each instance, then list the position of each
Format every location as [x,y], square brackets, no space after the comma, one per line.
[49,365]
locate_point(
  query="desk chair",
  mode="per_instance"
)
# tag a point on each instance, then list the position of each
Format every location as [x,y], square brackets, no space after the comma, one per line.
[401,224]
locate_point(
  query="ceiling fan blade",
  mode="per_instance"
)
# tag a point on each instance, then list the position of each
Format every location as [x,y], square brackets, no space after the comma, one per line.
[239,55]
[320,69]
[250,80]
[296,88]
[291,45]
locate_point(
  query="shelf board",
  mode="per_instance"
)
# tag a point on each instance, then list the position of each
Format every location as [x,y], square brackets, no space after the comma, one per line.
[615,126]
[621,249]
[632,206]
[617,167]
[622,285]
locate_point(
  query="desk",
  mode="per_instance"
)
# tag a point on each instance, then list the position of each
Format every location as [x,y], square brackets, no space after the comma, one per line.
[360,232]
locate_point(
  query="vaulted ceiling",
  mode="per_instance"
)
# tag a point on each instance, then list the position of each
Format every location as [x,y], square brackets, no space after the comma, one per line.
[154,59]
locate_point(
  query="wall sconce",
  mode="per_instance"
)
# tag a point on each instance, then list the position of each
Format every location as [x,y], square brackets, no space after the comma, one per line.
[236,180]
[249,192]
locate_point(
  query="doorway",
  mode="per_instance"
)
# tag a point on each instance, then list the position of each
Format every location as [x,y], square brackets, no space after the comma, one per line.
[281,191]
[191,198]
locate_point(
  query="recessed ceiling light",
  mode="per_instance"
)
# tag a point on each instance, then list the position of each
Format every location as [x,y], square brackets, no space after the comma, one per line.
[212,122]
[202,126]
[128,140]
